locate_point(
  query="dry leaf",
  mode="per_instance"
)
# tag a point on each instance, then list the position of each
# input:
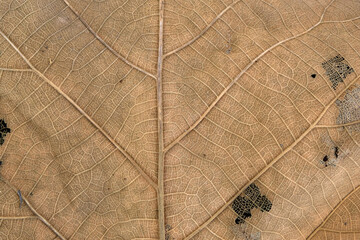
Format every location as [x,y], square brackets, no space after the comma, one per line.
[147,119]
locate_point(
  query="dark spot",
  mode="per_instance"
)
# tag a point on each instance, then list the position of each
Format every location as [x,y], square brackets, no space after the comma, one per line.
[0,163]
[336,152]
[31,194]
[345,223]
[313,75]
[204,155]
[121,80]
[337,70]
[43,49]
[108,188]
[167,227]
[125,178]
[3,131]
[325,160]
[247,214]
[252,199]
[20,197]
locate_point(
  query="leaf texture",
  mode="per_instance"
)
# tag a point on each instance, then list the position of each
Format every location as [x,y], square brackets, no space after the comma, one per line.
[147,119]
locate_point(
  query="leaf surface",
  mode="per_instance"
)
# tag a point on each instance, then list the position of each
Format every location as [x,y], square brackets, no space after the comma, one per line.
[147,119]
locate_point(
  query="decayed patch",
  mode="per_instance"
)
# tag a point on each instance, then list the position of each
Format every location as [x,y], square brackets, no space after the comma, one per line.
[243,205]
[337,70]
[3,131]
[243,232]
[350,109]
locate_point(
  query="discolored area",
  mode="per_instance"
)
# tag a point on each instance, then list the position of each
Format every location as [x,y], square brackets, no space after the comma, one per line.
[3,131]
[349,108]
[337,70]
[252,199]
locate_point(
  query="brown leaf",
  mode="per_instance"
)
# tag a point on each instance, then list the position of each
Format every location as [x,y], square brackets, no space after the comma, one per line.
[147,119]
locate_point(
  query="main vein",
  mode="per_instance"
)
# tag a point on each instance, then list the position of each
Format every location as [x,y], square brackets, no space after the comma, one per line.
[160,193]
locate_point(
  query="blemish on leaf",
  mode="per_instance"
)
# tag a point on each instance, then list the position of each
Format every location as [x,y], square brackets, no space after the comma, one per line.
[336,152]
[242,231]
[3,131]
[313,75]
[167,228]
[349,109]
[243,205]
[0,163]
[228,43]
[20,197]
[329,161]
[43,49]
[326,160]
[337,70]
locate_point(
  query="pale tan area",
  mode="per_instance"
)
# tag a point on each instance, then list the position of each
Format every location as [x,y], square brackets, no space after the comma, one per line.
[146,119]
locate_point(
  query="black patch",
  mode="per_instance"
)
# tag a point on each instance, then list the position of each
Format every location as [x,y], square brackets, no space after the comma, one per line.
[313,75]
[336,152]
[0,163]
[337,70]
[326,160]
[252,199]
[3,131]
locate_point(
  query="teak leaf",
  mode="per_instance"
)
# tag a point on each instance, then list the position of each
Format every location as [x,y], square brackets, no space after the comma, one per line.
[165,119]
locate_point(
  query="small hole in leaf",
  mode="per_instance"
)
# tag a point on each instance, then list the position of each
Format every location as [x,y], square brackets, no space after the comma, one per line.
[313,75]
[252,198]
